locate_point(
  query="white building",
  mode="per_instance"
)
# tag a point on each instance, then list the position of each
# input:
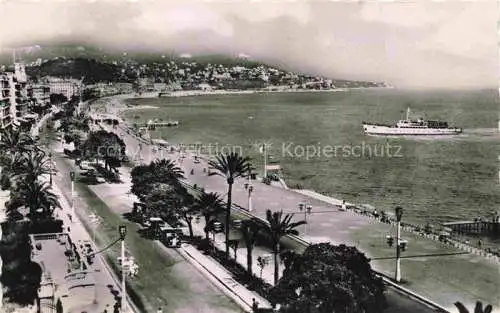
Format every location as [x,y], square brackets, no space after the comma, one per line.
[67,86]
[5,112]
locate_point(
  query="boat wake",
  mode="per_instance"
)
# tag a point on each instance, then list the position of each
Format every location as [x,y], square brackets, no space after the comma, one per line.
[472,134]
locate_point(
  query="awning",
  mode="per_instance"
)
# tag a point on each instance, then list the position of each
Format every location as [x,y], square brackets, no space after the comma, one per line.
[31,116]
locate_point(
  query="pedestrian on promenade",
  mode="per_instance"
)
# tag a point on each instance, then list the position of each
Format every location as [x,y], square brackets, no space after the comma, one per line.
[479,243]
[255,305]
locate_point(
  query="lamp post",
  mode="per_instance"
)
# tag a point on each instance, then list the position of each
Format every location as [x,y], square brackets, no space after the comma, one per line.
[72,176]
[249,187]
[307,209]
[51,168]
[399,215]
[95,221]
[122,230]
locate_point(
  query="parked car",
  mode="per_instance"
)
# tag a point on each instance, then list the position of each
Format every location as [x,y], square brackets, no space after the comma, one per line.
[85,165]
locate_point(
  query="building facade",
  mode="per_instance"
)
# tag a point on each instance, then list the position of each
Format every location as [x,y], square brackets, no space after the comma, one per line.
[40,93]
[5,112]
[14,100]
[69,87]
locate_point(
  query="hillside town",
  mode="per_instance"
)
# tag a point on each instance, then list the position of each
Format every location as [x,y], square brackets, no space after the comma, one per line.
[172,73]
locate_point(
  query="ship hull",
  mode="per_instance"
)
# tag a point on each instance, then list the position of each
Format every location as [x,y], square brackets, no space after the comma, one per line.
[382,130]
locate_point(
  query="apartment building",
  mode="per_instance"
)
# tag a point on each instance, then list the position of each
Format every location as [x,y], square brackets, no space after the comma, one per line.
[14,101]
[40,93]
[69,87]
[5,112]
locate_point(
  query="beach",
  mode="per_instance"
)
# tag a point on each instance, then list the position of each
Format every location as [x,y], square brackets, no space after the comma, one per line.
[430,278]
[435,180]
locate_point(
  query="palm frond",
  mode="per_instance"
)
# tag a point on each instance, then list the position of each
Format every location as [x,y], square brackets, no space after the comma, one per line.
[230,166]
[461,308]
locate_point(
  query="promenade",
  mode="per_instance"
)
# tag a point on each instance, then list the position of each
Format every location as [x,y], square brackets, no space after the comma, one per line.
[99,272]
[165,278]
[440,278]
[106,285]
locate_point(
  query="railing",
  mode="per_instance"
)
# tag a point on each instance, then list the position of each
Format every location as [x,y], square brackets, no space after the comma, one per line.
[305,244]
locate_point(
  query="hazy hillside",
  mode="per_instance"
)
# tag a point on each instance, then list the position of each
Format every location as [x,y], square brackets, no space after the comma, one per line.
[89,69]
[95,63]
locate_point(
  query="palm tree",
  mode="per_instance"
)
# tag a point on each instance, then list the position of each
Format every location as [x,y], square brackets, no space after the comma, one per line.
[14,140]
[9,164]
[477,309]
[167,169]
[250,230]
[37,197]
[209,205]
[31,165]
[278,227]
[230,166]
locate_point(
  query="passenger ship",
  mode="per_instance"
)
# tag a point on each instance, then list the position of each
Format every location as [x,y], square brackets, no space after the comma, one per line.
[410,127]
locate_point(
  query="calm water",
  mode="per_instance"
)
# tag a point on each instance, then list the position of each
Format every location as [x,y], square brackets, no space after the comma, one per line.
[436,179]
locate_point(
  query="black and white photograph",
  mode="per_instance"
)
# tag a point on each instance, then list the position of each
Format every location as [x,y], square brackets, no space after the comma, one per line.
[231,156]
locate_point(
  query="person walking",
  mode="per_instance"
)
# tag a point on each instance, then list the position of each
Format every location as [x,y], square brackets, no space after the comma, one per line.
[255,305]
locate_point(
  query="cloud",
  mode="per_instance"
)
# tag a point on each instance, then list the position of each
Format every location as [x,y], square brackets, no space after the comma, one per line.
[424,43]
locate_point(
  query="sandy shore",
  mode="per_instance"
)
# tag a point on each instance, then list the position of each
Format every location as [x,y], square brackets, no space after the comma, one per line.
[139,107]
[187,93]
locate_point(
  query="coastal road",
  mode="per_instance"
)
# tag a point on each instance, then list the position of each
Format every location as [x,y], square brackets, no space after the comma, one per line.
[189,290]
[275,198]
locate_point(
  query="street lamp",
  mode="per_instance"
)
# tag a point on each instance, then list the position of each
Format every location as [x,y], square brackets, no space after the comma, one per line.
[399,215]
[72,177]
[51,167]
[95,221]
[249,187]
[122,230]
[307,209]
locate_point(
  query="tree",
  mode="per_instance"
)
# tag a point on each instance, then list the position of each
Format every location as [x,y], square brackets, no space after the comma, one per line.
[229,166]
[327,278]
[163,200]
[57,98]
[37,197]
[31,165]
[477,309]
[14,140]
[106,146]
[159,171]
[168,169]
[20,277]
[250,230]
[187,210]
[209,205]
[278,227]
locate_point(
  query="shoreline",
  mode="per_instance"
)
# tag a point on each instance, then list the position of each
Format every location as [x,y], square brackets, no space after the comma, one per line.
[192,93]
[119,106]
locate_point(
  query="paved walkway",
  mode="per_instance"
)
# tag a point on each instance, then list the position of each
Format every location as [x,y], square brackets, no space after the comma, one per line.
[196,294]
[100,271]
[327,223]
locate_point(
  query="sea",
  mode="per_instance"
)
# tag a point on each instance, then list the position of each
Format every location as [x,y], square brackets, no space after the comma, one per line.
[318,142]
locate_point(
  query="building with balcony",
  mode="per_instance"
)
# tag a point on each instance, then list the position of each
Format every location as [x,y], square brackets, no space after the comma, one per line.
[40,93]
[67,86]
[5,112]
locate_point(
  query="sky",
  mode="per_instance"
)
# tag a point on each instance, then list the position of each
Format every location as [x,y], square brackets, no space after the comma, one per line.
[418,43]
